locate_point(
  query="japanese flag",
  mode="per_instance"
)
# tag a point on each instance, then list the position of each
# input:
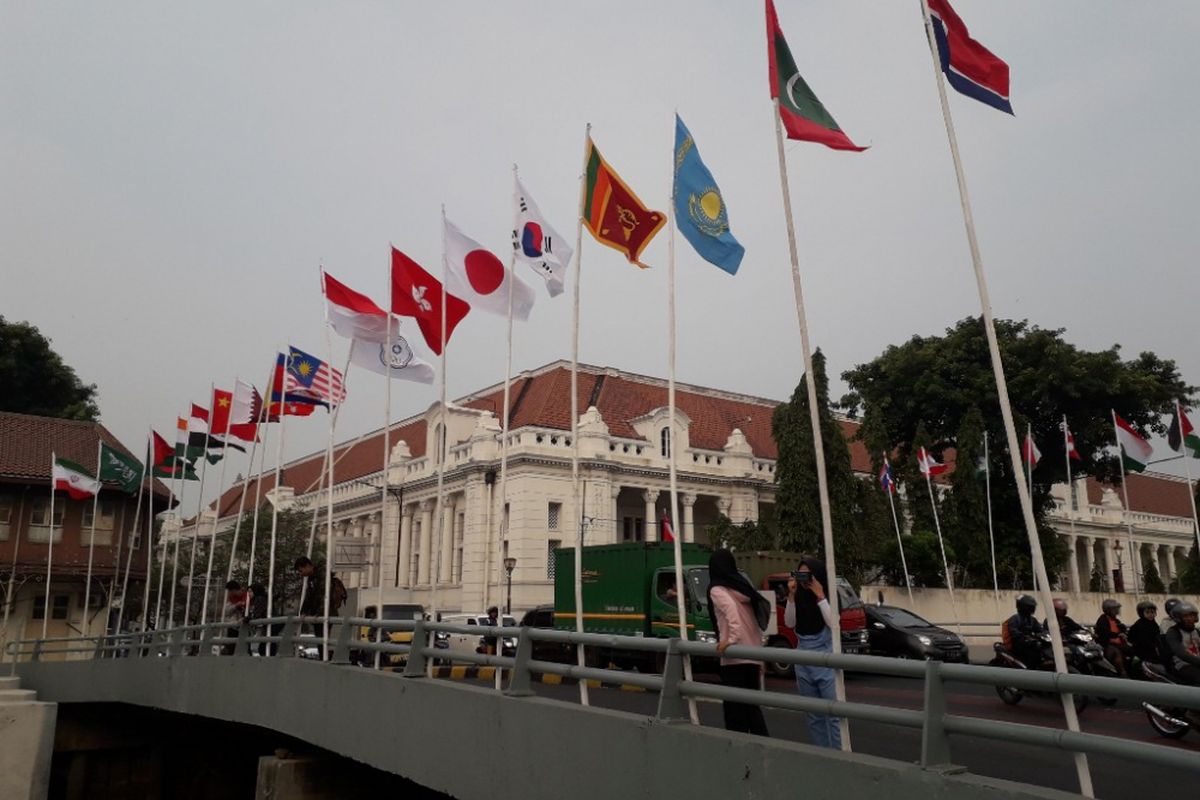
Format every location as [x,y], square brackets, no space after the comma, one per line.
[479,277]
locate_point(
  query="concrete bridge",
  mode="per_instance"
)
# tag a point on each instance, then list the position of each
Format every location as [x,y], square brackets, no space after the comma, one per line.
[473,742]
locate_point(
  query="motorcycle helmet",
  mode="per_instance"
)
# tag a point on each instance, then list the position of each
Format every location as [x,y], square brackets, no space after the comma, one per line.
[1110,606]
[1182,609]
[1060,607]
[1145,606]
[1169,606]
[1026,605]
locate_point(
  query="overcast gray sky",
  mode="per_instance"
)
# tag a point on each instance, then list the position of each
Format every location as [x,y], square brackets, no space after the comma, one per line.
[173,174]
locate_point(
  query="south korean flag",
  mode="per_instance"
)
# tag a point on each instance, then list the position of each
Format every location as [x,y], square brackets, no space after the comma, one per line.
[538,244]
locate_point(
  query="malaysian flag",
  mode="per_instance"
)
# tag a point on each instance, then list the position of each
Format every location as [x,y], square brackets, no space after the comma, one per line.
[307,378]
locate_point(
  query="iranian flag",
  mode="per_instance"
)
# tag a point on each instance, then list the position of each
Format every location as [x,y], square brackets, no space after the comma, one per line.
[802,114]
[1135,451]
[74,479]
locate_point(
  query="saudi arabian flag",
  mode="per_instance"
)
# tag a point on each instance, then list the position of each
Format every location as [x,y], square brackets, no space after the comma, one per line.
[1135,451]
[117,467]
[74,480]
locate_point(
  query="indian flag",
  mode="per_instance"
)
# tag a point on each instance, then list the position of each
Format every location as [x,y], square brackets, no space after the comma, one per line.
[1135,451]
[74,479]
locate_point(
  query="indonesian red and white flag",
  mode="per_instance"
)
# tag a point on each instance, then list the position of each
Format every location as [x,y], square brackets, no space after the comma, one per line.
[353,314]
[480,277]
[1030,451]
[667,534]
[74,479]
[929,465]
[1072,452]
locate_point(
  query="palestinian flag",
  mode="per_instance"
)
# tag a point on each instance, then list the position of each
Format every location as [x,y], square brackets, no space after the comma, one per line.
[1182,435]
[74,480]
[802,114]
[1135,451]
[613,213]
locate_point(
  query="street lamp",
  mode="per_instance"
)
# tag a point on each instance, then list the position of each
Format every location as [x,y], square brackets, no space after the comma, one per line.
[510,564]
[1119,572]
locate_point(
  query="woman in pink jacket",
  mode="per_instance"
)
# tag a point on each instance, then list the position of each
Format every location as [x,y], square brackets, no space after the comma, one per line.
[739,616]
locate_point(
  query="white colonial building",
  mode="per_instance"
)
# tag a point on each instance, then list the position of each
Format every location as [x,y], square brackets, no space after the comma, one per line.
[725,458]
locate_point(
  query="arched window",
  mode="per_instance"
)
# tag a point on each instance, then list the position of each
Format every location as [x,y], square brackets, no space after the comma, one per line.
[664,439]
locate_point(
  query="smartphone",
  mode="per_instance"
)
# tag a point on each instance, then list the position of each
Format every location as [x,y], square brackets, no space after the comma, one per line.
[802,578]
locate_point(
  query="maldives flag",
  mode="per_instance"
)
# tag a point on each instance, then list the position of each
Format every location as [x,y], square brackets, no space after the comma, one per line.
[970,67]
[1030,451]
[481,279]
[802,114]
[417,294]
[1135,451]
[613,213]
[352,314]
[74,479]
[664,528]
[929,465]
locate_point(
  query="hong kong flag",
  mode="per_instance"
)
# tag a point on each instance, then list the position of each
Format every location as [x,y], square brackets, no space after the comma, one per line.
[417,294]
[479,277]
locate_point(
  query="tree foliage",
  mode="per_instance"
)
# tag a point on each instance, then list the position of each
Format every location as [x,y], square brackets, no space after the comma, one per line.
[1152,582]
[37,381]
[924,559]
[929,387]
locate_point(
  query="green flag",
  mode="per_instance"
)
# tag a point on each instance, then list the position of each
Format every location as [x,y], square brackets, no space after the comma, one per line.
[117,467]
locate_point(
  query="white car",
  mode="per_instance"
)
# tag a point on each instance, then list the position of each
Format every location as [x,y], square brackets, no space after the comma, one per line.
[471,643]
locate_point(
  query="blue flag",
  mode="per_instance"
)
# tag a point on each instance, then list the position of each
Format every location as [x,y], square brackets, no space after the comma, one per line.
[699,207]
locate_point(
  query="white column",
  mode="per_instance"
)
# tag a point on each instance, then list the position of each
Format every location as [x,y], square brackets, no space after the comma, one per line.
[424,558]
[651,497]
[618,522]
[449,513]
[1072,565]
[689,526]
[1171,564]
[406,518]
[378,556]
[1089,562]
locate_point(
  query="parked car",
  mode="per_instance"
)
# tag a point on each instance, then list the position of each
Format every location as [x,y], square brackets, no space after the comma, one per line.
[543,617]
[899,633]
[391,611]
[470,643]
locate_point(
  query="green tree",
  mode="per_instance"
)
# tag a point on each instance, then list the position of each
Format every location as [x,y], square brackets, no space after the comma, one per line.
[748,535]
[37,381]
[935,381]
[859,516]
[923,556]
[1152,582]
[966,522]
[1188,581]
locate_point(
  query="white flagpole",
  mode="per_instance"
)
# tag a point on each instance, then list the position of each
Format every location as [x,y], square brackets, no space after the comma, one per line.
[987,489]
[12,574]
[262,464]
[162,559]
[937,524]
[891,493]
[212,539]
[119,531]
[50,550]
[287,360]
[814,416]
[187,605]
[1010,430]
[1027,454]
[441,448]
[319,485]
[1070,503]
[672,471]
[575,486]
[1187,471]
[329,551]
[383,489]
[260,420]
[178,472]
[87,583]
[148,543]
[137,514]
[1128,510]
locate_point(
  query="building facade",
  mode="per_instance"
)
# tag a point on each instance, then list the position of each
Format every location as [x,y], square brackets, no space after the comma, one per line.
[725,460]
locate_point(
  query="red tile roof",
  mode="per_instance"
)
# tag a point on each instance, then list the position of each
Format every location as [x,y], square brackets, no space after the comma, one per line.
[1150,494]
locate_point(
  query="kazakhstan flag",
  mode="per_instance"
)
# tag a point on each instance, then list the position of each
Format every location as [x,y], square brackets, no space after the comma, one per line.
[699,207]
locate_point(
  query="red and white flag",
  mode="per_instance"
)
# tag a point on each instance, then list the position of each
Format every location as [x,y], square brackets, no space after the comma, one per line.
[353,314]
[417,294]
[480,277]
[929,465]
[1029,450]
[665,533]
[1072,452]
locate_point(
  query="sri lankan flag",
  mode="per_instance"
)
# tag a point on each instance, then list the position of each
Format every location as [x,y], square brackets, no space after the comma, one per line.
[613,213]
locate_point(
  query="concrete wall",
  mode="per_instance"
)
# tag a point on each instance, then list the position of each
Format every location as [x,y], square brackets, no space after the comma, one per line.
[26,742]
[466,740]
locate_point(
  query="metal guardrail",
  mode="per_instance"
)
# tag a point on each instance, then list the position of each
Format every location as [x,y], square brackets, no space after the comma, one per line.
[284,637]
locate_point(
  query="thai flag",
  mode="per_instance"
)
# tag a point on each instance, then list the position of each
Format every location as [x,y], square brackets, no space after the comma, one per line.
[887,481]
[970,67]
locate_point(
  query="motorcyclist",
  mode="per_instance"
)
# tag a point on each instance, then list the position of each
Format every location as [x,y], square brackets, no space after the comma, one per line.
[1168,620]
[1065,623]
[1020,633]
[1183,641]
[1111,634]
[1143,634]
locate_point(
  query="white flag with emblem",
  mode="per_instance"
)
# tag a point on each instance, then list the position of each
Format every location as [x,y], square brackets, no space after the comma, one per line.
[479,277]
[538,244]
[397,361]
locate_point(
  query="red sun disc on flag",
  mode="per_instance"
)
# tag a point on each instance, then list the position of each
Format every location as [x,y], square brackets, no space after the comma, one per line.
[484,271]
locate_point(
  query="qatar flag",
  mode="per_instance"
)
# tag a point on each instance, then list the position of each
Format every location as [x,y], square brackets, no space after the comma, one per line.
[479,277]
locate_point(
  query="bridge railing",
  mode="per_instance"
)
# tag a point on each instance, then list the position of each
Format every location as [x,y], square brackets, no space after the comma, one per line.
[356,640]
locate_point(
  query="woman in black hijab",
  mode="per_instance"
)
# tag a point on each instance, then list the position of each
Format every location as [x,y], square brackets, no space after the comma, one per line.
[808,613]
[739,614]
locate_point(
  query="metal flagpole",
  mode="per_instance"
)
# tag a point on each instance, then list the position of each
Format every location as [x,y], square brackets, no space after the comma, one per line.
[815,420]
[329,551]
[137,514]
[49,550]
[187,605]
[672,471]
[319,484]
[162,559]
[937,524]
[1070,503]
[1010,430]
[262,463]
[87,583]
[577,504]
[179,472]
[1128,520]
[212,539]
[119,529]
[1187,471]
[9,598]
[440,443]
[987,489]
[1027,454]
[383,491]
[287,361]
[891,493]
[237,525]
[148,474]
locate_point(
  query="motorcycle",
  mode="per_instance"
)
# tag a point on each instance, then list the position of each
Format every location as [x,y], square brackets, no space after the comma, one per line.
[1173,722]
[1087,657]
[1011,694]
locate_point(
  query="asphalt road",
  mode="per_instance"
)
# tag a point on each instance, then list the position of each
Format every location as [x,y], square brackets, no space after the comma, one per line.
[1113,779]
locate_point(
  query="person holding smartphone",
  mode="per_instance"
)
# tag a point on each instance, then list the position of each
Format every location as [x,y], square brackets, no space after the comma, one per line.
[808,613]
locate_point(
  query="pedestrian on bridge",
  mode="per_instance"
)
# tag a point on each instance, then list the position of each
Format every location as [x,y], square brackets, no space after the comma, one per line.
[808,613]
[739,616]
